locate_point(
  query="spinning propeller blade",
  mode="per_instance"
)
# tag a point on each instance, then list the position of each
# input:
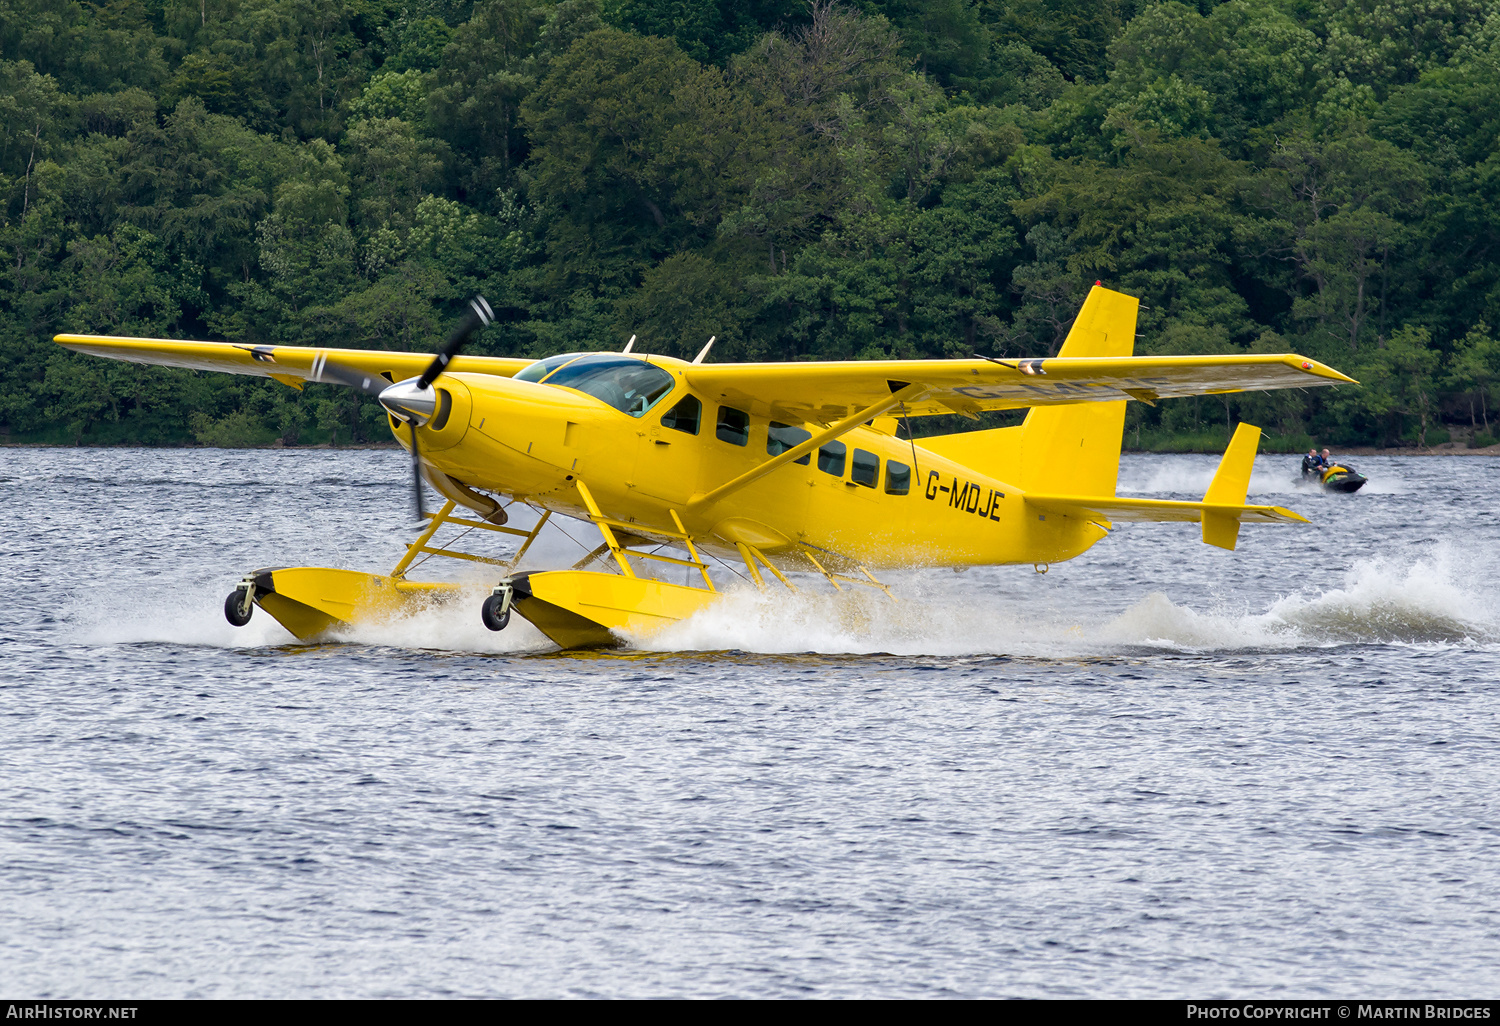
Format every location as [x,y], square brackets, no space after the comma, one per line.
[332,372]
[363,381]
[416,472]
[479,316]
[405,400]
[411,401]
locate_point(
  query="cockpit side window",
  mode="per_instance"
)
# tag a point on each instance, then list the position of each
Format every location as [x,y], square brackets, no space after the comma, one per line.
[629,384]
[539,370]
[685,416]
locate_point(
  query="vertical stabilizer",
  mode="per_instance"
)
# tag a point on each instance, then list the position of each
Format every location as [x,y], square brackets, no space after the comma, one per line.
[1229,487]
[1075,450]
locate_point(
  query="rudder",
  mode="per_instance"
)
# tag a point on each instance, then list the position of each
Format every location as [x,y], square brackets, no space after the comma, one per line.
[1075,449]
[1229,487]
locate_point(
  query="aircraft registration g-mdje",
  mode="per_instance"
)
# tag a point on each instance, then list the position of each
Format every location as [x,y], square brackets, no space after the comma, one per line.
[785,467]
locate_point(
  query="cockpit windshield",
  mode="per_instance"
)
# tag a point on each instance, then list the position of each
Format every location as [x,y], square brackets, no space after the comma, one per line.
[539,370]
[628,383]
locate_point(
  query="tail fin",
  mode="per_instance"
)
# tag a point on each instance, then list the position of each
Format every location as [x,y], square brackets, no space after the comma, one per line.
[1076,449]
[1229,487]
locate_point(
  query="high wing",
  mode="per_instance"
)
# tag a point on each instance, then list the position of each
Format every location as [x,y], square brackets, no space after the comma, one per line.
[827,392]
[291,365]
[1094,365]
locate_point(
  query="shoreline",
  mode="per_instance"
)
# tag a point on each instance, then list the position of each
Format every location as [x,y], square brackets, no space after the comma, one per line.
[324,447]
[1445,449]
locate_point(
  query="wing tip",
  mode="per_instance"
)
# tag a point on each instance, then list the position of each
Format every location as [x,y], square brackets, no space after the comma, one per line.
[1321,370]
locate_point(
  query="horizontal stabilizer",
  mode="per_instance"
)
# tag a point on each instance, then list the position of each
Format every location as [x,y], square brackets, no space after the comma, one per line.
[1221,512]
[1106,509]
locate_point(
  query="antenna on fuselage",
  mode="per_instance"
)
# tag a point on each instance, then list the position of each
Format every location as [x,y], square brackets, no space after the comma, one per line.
[628,345]
[704,351]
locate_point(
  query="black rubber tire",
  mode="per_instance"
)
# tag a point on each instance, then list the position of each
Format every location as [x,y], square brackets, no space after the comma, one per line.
[491,615]
[232,609]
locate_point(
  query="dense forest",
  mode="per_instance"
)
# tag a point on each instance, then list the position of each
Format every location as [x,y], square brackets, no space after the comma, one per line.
[912,178]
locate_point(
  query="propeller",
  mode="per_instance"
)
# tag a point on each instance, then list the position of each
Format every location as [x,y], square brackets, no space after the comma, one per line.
[479,315]
[334,373]
[414,401]
[416,472]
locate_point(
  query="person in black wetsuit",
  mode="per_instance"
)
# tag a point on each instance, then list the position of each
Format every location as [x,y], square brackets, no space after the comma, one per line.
[1313,464]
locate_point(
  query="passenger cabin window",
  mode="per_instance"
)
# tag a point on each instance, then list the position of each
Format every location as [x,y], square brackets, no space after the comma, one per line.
[897,478]
[782,437]
[629,384]
[831,459]
[734,426]
[685,416]
[539,370]
[865,468]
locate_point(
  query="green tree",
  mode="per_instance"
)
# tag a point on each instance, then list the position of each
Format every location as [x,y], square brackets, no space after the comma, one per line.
[902,280]
[1073,34]
[1475,369]
[1243,66]
[483,78]
[1339,205]
[635,148]
[822,94]
[1161,222]
[1389,44]
[390,170]
[709,31]
[1399,379]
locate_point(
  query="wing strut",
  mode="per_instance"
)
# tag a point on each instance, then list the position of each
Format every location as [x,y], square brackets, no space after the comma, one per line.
[904,395]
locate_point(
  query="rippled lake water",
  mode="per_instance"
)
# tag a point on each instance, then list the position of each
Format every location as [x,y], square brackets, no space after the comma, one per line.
[1161,770]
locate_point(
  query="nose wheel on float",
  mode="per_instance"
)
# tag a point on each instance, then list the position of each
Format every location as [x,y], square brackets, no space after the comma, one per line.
[496,609]
[240,603]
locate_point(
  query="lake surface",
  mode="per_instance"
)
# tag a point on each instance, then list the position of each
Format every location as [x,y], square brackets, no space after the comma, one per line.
[1161,770]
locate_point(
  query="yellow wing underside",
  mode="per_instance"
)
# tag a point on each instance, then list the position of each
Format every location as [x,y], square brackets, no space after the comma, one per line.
[291,365]
[825,392]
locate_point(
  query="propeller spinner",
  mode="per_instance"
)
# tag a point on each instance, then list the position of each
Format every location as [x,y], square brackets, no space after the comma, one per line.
[408,401]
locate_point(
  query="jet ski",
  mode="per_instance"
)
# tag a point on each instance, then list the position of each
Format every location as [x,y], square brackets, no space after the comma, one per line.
[1340,477]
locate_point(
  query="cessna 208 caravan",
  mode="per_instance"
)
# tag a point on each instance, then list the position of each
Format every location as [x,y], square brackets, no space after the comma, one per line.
[780,466]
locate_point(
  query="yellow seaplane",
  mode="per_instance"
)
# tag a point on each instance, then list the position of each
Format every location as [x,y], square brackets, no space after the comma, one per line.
[788,468]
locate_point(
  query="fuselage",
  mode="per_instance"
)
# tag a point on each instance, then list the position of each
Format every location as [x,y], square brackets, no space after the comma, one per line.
[869,496]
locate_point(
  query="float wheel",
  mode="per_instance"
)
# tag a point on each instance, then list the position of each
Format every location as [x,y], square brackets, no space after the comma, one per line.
[495,612]
[236,607]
